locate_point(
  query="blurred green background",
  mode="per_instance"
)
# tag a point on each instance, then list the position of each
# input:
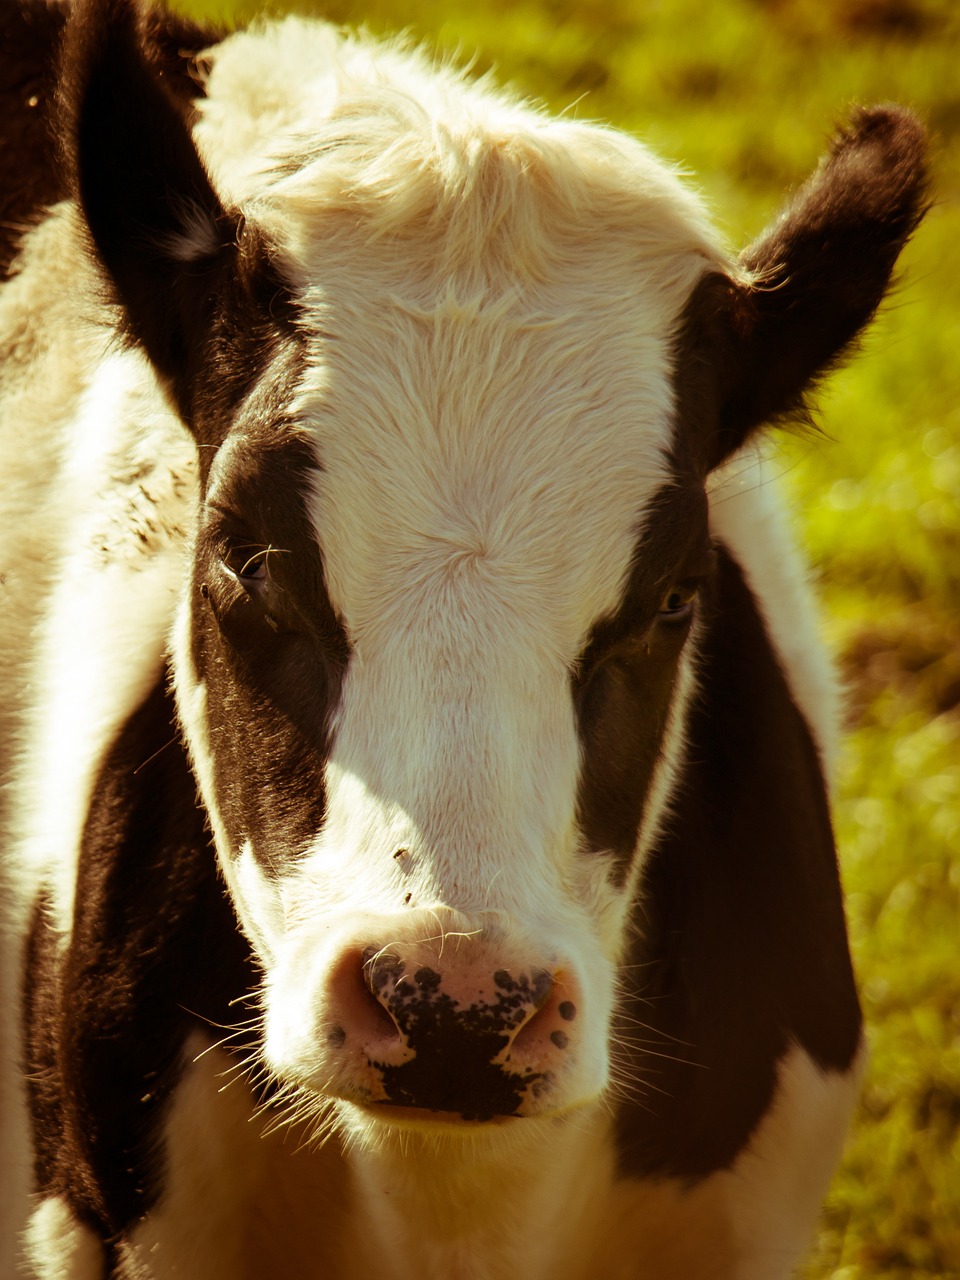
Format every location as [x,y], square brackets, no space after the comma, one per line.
[744,93]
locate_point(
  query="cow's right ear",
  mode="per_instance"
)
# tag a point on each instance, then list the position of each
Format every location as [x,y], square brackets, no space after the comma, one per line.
[751,348]
[156,222]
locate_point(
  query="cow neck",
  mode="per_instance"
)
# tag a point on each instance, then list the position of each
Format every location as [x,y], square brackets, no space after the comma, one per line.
[436,1207]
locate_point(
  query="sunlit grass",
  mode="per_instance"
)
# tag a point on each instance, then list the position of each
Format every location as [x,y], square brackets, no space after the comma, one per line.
[744,93]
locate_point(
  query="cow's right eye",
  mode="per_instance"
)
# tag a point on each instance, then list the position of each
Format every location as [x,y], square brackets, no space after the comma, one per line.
[254,568]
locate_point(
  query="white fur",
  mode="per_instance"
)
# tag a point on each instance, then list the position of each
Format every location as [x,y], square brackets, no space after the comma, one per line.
[100,645]
[520,1204]
[751,1221]
[487,445]
[57,1247]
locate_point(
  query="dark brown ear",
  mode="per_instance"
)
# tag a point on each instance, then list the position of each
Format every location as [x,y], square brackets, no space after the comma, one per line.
[812,282]
[156,223]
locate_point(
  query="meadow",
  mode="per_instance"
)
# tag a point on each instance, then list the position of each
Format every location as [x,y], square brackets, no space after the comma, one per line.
[744,93]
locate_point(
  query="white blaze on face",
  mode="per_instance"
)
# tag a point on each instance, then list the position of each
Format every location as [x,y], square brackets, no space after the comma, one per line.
[484,471]
[489,302]
[483,475]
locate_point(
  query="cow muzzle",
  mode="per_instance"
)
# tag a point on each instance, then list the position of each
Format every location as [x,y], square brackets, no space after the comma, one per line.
[455,1026]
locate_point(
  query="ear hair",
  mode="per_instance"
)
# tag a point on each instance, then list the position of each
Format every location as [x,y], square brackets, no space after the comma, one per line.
[156,222]
[812,281]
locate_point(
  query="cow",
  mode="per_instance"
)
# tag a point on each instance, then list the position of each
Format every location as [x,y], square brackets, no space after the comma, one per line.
[417,855]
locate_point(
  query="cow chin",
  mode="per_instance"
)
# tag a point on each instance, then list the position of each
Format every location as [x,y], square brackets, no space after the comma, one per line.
[405,1132]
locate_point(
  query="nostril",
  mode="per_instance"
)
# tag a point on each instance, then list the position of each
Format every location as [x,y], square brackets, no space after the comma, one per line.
[549,1020]
[543,985]
[359,1010]
[381,971]
[528,1031]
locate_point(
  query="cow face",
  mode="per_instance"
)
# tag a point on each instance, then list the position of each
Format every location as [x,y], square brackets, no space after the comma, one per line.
[456,400]
[433,670]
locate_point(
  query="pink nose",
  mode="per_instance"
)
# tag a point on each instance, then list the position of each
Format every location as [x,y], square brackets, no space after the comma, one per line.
[456,1037]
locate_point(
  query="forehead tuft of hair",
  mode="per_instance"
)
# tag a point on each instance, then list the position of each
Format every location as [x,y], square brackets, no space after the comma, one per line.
[326,133]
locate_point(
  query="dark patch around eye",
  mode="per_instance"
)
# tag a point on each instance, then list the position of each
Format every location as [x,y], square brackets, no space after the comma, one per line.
[270,647]
[678,603]
[623,683]
[261,517]
[673,552]
[623,714]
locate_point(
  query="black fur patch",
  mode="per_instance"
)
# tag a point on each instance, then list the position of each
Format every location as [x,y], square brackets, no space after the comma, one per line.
[624,681]
[272,653]
[741,944]
[155,955]
[751,352]
[201,291]
[741,936]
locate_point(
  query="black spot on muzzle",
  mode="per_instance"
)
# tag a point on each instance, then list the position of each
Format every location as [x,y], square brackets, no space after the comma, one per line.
[454,1046]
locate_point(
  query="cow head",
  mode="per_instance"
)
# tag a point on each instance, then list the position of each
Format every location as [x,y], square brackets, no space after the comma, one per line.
[457,375]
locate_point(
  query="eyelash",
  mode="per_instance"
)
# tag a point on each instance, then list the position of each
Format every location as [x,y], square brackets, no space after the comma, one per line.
[248,562]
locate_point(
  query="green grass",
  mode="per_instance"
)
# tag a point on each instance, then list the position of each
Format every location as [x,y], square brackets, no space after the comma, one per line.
[744,93]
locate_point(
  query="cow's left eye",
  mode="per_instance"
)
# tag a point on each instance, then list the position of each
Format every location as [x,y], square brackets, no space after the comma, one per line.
[255,568]
[678,603]
[248,564]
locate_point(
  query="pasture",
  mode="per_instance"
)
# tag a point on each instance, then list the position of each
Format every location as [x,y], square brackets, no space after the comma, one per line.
[743,93]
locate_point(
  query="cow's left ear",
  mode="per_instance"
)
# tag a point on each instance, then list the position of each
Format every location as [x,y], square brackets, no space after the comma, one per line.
[809,284]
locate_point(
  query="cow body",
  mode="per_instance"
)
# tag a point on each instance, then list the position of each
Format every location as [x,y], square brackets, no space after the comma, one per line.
[382,469]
